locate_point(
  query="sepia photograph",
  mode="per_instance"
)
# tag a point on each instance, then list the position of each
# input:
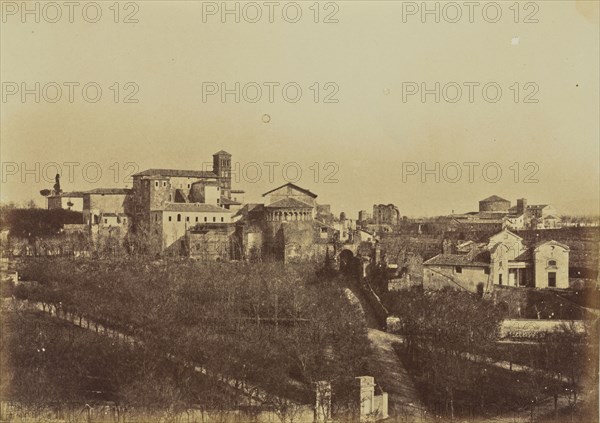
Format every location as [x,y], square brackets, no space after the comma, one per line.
[304,211]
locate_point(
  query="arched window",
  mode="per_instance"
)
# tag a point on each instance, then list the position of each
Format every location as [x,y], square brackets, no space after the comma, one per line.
[179,218]
[551,263]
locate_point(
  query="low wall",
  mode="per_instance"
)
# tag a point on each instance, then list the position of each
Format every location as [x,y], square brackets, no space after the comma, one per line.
[381,313]
[530,328]
[109,413]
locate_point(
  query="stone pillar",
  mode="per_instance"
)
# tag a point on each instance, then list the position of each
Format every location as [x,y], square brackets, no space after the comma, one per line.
[322,401]
[366,386]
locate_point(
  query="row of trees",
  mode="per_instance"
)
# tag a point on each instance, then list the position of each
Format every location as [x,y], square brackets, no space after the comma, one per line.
[47,365]
[273,326]
[451,346]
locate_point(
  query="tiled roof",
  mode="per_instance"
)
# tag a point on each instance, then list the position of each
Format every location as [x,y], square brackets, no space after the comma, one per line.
[479,215]
[228,201]
[524,256]
[207,182]
[296,187]
[480,260]
[506,231]
[72,194]
[466,246]
[177,173]
[552,242]
[321,223]
[289,203]
[491,215]
[537,206]
[195,207]
[109,191]
[255,207]
[479,221]
[222,153]
[493,198]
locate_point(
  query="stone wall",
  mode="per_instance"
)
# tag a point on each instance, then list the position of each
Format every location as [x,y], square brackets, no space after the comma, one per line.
[385,214]
[473,279]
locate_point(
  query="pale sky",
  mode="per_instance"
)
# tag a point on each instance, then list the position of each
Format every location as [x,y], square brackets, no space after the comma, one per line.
[372,56]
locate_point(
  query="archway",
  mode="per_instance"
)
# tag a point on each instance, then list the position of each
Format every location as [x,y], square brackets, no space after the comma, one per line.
[346,261]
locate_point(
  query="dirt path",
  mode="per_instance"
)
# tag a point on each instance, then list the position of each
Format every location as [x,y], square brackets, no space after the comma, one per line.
[388,370]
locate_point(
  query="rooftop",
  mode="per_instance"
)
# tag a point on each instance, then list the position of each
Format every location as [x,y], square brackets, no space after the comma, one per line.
[222,153]
[524,256]
[70,194]
[227,201]
[478,220]
[480,260]
[195,207]
[177,173]
[294,186]
[494,198]
[109,191]
[289,203]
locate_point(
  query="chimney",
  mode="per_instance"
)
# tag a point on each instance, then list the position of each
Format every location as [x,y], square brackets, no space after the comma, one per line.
[521,206]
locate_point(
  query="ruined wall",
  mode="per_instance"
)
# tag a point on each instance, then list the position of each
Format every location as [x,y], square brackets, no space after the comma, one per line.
[473,279]
[385,214]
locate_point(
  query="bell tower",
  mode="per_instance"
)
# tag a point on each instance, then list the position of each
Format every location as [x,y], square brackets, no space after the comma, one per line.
[222,168]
